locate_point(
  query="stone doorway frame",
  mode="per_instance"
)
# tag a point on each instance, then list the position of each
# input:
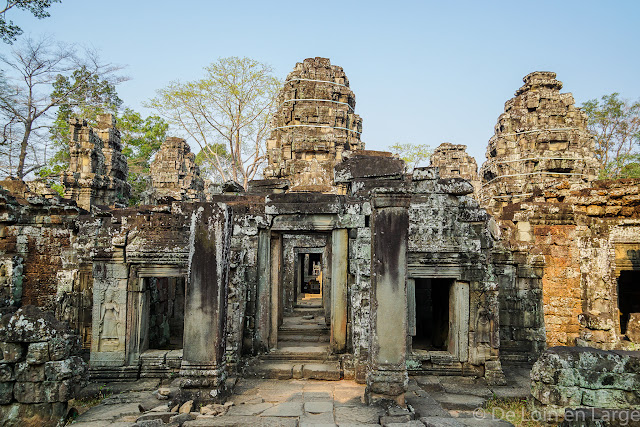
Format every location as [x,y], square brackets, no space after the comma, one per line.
[625,257]
[459,313]
[138,304]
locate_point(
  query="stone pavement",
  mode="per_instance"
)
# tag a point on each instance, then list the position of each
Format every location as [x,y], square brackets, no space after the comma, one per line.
[431,401]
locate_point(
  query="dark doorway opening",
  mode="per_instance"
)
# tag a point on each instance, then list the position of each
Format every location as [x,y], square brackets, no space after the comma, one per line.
[166,312]
[628,296]
[432,314]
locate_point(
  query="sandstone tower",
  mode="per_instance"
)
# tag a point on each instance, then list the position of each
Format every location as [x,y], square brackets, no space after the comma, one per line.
[540,139]
[98,170]
[174,172]
[453,161]
[314,126]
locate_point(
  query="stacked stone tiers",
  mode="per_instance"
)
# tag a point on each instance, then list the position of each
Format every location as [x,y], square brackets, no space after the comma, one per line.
[540,139]
[315,124]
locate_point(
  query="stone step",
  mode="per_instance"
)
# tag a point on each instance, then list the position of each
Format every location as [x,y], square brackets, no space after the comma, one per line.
[328,371]
[308,311]
[296,336]
[308,351]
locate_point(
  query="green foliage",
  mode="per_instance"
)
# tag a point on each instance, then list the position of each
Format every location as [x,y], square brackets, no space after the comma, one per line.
[231,105]
[141,139]
[615,122]
[413,154]
[10,31]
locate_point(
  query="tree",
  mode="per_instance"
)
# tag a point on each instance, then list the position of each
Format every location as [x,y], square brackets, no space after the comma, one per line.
[207,169]
[412,154]
[8,30]
[141,139]
[615,123]
[231,105]
[27,102]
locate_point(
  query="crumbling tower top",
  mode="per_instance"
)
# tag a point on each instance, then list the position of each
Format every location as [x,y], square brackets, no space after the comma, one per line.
[540,140]
[453,161]
[314,126]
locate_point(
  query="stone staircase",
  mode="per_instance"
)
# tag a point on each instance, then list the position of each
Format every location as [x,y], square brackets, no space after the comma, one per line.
[303,348]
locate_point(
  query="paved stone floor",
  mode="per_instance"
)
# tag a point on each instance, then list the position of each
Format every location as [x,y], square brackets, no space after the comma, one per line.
[431,401]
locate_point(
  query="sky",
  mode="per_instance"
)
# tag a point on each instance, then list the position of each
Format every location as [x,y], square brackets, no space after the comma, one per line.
[423,72]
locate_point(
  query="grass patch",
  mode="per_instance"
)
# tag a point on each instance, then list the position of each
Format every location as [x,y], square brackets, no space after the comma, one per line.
[514,411]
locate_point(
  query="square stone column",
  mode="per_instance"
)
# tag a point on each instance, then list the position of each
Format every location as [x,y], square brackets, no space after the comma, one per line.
[388,377]
[203,365]
[339,272]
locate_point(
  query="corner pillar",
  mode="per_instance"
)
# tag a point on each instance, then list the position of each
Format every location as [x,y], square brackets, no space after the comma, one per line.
[388,379]
[203,364]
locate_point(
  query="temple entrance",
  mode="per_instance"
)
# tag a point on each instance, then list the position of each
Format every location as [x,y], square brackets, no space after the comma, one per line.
[628,297]
[166,312]
[432,314]
[438,317]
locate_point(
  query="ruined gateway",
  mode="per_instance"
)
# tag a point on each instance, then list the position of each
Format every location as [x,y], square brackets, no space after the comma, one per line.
[338,264]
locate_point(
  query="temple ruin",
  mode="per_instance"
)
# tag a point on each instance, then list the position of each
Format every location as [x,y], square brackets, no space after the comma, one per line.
[338,264]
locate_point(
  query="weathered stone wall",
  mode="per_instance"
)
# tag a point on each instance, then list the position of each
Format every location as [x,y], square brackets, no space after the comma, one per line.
[579,377]
[314,125]
[576,240]
[36,254]
[40,368]
[540,139]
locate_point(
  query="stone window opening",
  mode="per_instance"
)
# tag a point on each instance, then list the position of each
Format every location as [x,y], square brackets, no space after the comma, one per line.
[629,300]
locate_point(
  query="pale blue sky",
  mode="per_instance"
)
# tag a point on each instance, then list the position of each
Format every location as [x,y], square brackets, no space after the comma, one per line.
[422,71]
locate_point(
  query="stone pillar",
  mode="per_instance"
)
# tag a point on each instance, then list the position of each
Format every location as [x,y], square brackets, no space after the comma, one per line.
[276,291]
[203,365]
[339,266]
[263,321]
[388,377]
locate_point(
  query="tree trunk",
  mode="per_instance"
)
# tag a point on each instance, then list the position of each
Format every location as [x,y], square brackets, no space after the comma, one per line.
[23,149]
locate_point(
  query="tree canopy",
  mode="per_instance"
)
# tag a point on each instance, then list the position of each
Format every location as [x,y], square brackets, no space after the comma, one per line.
[413,154]
[615,122]
[10,31]
[230,106]
[40,78]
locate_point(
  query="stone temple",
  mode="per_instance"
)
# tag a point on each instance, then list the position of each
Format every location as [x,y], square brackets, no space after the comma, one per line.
[338,264]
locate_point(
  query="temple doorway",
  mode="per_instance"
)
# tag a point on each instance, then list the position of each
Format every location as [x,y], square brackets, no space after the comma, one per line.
[309,280]
[431,314]
[628,296]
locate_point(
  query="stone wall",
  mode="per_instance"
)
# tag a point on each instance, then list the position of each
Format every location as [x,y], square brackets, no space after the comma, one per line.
[40,368]
[36,254]
[314,125]
[576,240]
[540,139]
[579,377]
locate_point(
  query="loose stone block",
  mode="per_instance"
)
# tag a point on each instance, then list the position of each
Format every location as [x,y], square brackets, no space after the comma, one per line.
[38,353]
